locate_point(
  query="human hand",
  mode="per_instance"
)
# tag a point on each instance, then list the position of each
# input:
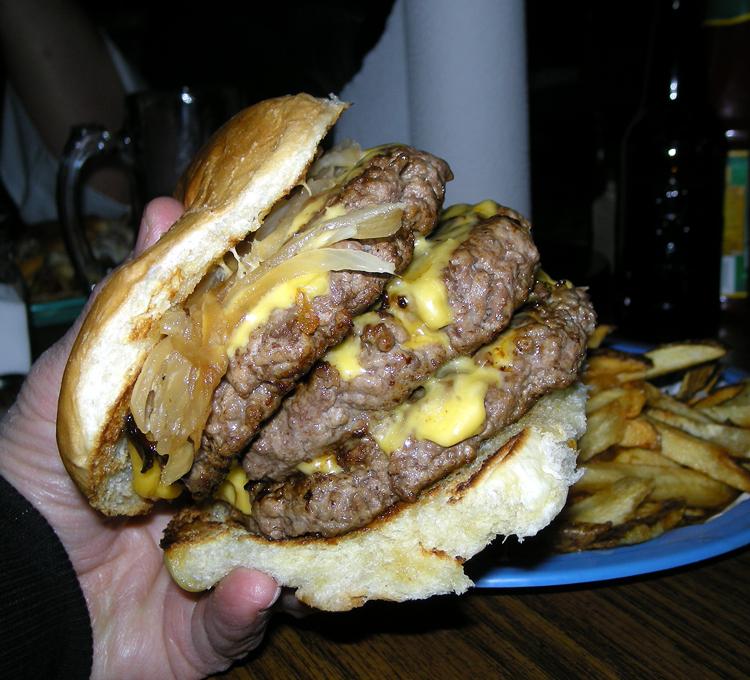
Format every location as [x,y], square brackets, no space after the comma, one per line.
[143,624]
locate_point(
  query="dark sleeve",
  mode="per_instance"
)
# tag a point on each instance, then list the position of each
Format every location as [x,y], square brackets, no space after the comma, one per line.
[45,630]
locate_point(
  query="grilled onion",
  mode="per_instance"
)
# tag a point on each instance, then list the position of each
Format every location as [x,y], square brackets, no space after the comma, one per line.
[171,399]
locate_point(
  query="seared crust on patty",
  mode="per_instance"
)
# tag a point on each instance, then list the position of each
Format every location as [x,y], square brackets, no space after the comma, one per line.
[546,343]
[488,276]
[285,348]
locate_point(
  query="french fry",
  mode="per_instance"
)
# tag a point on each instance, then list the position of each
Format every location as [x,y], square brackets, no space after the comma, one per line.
[703,456]
[696,380]
[649,509]
[735,410]
[631,400]
[652,461]
[612,361]
[638,456]
[735,440]
[695,515]
[668,516]
[719,396]
[657,399]
[695,488]
[680,355]
[615,503]
[711,384]
[576,537]
[597,337]
[600,399]
[605,428]
[641,433]
[611,367]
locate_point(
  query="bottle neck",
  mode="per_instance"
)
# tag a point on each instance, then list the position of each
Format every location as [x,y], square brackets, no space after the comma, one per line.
[676,77]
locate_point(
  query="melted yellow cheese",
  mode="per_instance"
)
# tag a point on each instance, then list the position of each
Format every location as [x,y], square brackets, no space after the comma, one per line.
[233,491]
[482,210]
[420,334]
[327,464]
[421,246]
[421,285]
[450,410]
[148,484]
[499,353]
[345,358]
[306,214]
[280,297]
[419,299]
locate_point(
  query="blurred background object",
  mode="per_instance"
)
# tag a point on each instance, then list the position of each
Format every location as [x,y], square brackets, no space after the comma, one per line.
[669,229]
[584,64]
[442,79]
[15,346]
[728,27]
[163,131]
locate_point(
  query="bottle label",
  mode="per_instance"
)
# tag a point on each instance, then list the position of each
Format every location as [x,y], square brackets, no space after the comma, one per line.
[734,261]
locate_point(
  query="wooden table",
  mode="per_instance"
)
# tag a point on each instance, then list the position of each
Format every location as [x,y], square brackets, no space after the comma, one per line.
[689,623]
[692,622]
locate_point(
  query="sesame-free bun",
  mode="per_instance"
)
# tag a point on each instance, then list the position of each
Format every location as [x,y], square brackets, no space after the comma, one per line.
[246,167]
[515,487]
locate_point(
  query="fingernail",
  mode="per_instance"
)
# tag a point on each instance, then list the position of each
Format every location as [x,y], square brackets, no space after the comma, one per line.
[273,601]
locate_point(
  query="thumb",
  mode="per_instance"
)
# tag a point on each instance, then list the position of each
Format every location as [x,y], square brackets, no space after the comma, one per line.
[231,621]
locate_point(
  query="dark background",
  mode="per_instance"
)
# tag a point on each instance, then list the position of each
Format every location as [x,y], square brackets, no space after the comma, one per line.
[586,62]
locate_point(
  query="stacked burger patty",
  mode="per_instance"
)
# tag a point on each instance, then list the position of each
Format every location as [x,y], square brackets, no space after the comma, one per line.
[284,349]
[547,342]
[348,403]
[338,382]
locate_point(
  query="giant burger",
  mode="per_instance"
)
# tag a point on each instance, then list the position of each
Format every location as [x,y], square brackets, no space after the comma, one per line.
[342,383]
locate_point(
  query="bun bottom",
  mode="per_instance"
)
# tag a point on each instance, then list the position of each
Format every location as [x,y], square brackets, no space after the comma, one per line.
[516,486]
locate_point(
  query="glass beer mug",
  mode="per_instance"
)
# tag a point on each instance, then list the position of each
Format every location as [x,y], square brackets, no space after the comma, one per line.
[163,131]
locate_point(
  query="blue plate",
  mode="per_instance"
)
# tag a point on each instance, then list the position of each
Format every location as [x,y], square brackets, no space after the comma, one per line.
[674,548]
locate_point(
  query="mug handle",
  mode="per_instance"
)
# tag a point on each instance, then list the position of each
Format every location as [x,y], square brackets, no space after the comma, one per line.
[87,144]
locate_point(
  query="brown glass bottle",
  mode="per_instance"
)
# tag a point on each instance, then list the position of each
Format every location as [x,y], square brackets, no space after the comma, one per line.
[670,195]
[728,27]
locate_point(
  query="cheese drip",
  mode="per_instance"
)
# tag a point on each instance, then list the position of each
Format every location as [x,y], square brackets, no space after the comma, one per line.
[325,464]
[421,285]
[233,491]
[345,356]
[419,298]
[281,296]
[450,410]
[148,484]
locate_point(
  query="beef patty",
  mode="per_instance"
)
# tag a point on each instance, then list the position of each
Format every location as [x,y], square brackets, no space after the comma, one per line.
[541,351]
[487,277]
[283,349]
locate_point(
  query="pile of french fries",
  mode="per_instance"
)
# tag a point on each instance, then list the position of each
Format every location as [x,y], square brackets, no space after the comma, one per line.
[655,458]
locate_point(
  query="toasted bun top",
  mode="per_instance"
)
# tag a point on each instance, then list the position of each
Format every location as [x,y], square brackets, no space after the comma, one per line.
[246,167]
